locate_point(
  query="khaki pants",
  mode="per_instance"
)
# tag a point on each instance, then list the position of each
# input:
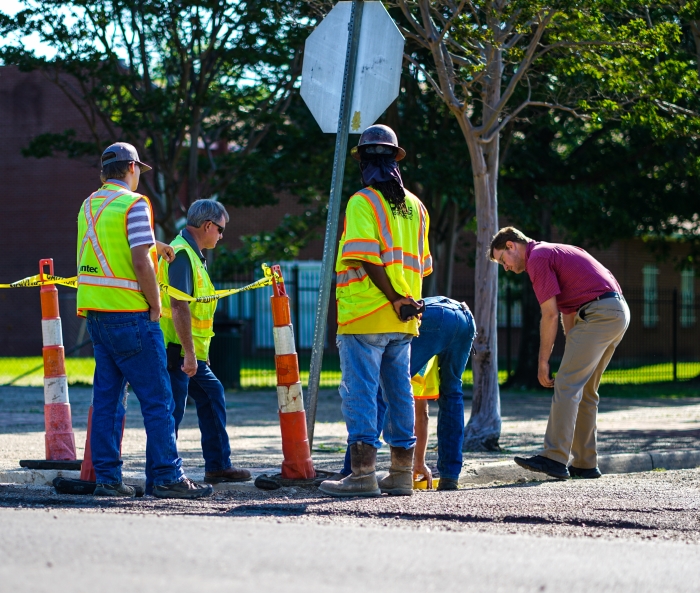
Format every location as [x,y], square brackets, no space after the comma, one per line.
[590,345]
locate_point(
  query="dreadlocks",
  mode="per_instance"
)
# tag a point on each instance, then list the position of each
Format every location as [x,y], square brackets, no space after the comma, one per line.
[395,194]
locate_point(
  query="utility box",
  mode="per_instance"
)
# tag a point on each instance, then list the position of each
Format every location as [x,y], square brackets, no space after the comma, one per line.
[225,355]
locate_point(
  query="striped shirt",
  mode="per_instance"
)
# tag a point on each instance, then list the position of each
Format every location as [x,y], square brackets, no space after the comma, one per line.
[138,222]
[568,273]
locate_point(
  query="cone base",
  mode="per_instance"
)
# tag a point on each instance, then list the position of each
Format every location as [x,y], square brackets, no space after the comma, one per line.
[297,463]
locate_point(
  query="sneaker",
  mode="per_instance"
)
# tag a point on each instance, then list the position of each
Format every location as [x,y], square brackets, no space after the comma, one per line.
[586,474]
[544,465]
[119,489]
[186,488]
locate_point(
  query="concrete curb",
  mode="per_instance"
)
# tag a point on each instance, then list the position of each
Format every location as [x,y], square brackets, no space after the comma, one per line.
[41,478]
[624,463]
[475,473]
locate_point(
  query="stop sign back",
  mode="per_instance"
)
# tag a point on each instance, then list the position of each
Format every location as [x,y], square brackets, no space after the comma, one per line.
[377,73]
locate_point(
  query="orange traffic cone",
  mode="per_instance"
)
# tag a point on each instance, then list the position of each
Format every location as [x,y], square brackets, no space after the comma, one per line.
[297,464]
[59,439]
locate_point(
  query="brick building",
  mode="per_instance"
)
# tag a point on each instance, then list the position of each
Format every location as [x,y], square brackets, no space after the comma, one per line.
[44,197]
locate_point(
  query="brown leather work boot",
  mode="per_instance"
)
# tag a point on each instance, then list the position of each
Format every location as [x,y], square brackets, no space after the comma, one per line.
[362,481]
[232,474]
[399,482]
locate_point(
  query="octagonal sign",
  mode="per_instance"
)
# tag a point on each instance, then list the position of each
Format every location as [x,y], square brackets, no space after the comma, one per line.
[377,74]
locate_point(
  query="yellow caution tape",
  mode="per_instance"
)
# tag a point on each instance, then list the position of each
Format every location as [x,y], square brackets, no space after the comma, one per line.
[220,294]
[167,289]
[36,281]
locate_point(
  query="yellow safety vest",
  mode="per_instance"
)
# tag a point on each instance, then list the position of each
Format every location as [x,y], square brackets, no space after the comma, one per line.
[374,234]
[106,277]
[202,314]
[426,382]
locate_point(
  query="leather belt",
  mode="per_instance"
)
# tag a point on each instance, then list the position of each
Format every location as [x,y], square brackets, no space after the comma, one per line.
[601,297]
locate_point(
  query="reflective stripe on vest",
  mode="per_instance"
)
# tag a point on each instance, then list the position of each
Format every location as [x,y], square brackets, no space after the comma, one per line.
[91,220]
[381,215]
[198,323]
[110,282]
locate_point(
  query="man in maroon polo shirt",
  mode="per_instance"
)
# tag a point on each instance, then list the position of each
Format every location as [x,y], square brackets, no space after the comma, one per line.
[595,316]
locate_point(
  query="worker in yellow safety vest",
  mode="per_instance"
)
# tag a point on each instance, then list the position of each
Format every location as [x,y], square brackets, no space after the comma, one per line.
[118,294]
[188,329]
[382,260]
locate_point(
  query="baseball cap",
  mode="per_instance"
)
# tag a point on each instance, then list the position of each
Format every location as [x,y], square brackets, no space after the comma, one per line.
[123,151]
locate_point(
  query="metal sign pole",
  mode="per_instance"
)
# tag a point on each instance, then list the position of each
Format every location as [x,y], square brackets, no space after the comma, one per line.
[331,238]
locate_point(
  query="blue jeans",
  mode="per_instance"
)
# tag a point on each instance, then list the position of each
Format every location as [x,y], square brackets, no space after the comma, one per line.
[368,362]
[447,331]
[208,395]
[129,348]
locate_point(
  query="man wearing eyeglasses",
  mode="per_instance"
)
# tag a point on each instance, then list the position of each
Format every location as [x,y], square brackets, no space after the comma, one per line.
[188,329]
[118,294]
[595,316]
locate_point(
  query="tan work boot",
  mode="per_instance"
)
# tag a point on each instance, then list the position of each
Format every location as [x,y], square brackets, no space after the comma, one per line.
[399,482]
[363,480]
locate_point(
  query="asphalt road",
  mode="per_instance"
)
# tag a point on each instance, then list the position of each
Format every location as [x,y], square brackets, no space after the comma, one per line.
[61,550]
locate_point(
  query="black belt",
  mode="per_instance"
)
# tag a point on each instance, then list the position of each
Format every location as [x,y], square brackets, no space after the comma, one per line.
[601,297]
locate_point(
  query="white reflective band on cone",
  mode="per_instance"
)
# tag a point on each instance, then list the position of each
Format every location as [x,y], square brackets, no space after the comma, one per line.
[52,332]
[56,390]
[284,340]
[290,398]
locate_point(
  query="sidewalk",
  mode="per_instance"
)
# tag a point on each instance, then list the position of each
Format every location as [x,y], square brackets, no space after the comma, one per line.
[631,433]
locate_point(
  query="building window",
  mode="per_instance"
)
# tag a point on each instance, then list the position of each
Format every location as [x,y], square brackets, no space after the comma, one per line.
[650,317]
[687,298]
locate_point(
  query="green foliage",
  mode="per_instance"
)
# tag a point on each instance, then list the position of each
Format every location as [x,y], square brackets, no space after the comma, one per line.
[196,86]
[45,145]
[281,244]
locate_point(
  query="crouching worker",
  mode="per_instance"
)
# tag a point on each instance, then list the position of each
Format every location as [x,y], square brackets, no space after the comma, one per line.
[439,356]
[188,329]
[383,257]
[118,293]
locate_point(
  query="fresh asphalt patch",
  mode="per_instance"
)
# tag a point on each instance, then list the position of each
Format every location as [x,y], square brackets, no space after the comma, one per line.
[660,505]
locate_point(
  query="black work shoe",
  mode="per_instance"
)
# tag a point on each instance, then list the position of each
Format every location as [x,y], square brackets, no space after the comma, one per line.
[586,474]
[448,484]
[119,489]
[183,489]
[544,465]
[232,474]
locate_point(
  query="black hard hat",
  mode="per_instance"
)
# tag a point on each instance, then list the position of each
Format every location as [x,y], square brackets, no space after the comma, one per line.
[378,135]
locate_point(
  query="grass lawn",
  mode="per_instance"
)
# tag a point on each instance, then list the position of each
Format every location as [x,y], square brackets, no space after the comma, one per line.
[650,380]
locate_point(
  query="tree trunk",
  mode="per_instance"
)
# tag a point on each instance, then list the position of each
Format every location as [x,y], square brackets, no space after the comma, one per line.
[484,427]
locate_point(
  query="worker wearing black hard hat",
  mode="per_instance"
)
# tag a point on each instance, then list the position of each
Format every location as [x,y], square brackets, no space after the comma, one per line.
[382,259]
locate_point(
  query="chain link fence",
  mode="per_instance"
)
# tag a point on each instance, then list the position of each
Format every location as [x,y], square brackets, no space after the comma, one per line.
[661,343]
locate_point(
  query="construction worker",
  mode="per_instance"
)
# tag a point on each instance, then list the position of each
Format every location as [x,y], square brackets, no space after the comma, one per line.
[439,356]
[118,293]
[188,329]
[383,257]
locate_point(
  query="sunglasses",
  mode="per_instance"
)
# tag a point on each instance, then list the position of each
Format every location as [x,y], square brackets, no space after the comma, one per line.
[221,228]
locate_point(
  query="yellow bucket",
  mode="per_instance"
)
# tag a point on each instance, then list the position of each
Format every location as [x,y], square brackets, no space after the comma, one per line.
[423,484]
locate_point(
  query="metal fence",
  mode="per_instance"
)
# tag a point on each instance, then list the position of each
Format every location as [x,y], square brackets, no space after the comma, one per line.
[661,343]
